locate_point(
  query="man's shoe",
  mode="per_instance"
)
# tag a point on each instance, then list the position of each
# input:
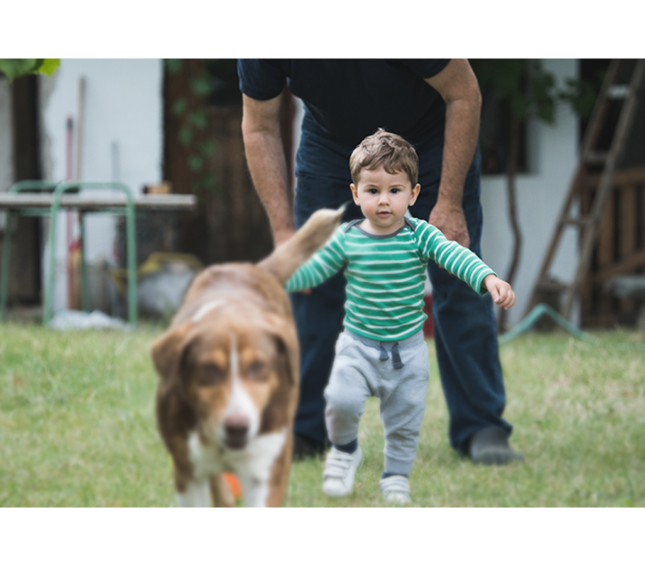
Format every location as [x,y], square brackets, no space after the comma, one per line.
[305,447]
[340,469]
[396,489]
[490,447]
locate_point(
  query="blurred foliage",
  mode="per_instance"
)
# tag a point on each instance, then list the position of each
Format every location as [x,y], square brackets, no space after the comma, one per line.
[530,90]
[192,122]
[14,68]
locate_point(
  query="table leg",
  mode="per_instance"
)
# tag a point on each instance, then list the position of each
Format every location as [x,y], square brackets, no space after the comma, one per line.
[132,263]
[85,287]
[50,276]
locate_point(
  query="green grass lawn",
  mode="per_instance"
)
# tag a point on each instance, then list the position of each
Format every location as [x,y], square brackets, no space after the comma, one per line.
[77,428]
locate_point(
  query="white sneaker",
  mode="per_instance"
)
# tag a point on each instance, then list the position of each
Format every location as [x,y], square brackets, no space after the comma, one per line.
[340,468]
[396,489]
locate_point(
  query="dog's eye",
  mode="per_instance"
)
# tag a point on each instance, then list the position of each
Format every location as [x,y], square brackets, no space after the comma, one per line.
[210,375]
[257,370]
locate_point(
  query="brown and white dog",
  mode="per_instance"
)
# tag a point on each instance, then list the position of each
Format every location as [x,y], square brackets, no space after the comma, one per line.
[229,372]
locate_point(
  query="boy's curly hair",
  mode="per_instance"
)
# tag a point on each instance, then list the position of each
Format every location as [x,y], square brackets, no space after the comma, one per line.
[387,150]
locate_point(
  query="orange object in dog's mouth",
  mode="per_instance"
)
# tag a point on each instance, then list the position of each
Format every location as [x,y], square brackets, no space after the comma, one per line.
[234,484]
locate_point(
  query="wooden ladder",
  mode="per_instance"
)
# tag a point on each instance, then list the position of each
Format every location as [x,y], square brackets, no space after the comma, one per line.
[590,157]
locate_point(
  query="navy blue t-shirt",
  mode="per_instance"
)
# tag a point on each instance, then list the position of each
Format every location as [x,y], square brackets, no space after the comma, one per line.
[348,99]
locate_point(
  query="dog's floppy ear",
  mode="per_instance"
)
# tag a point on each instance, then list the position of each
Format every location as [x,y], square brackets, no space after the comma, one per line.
[282,404]
[167,350]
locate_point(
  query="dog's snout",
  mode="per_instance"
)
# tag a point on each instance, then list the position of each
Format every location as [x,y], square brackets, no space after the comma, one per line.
[236,428]
[237,424]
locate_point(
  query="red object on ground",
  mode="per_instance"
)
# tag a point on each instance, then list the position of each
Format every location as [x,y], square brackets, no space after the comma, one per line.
[428,325]
[234,484]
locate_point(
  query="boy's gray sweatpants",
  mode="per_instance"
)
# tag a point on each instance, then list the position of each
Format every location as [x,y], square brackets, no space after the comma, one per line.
[360,371]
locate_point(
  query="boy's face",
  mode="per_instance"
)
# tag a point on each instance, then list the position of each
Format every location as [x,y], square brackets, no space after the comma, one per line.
[384,199]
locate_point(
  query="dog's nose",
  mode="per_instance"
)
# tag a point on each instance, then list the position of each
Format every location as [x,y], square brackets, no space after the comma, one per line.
[236,427]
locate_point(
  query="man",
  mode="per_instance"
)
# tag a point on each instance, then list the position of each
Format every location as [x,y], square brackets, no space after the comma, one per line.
[435,105]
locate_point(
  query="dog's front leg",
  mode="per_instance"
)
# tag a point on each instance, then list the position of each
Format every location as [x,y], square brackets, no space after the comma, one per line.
[255,491]
[189,490]
[280,475]
[257,479]
[221,493]
[196,493]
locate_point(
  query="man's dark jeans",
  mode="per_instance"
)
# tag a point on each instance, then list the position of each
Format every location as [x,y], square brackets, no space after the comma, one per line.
[464,323]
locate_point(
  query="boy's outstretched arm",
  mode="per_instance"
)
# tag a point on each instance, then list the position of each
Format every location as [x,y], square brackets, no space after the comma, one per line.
[453,257]
[500,290]
[464,264]
[327,261]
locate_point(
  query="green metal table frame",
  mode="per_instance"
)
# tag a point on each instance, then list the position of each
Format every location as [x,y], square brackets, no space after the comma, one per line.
[127,210]
[538,312]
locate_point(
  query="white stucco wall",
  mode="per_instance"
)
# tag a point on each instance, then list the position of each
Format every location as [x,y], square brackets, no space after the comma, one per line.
[553,154]
[6,138]
[6,142]
[122,138]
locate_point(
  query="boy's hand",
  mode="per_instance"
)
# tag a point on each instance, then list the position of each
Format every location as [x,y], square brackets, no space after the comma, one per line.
[501,291]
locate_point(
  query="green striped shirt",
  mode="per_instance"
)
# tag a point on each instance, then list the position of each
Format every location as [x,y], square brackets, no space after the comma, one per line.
[386,275]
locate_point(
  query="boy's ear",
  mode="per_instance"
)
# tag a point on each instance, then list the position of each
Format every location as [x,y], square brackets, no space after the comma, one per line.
[354,192]
[415,193]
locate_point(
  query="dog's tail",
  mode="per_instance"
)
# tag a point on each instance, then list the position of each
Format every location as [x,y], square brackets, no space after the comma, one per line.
[290,255]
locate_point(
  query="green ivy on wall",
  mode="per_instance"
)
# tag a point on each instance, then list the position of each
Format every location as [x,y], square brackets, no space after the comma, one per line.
[193,122]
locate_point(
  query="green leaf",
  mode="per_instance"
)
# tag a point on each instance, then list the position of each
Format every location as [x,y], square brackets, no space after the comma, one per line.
[207,147]
[178,106]
[13,68]
[173,66]
[546,112]
[581,95]
[195,163]
[198,118]
[201,85]
[185,136]
[48,66]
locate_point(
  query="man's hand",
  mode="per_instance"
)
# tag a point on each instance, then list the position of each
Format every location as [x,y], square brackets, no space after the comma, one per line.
[501,291]
[451,221]
[457,85]
[267,163]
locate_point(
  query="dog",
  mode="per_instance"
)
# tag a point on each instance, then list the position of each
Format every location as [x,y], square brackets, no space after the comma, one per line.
[229,376]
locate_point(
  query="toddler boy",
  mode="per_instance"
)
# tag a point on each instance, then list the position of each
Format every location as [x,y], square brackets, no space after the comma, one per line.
[382,351]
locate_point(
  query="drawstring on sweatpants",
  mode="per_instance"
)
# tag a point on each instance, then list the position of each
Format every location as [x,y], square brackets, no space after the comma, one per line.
[396,356]
[383,357]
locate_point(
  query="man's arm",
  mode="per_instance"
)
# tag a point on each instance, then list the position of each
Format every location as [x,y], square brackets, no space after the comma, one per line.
[458,86]
[267,162]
